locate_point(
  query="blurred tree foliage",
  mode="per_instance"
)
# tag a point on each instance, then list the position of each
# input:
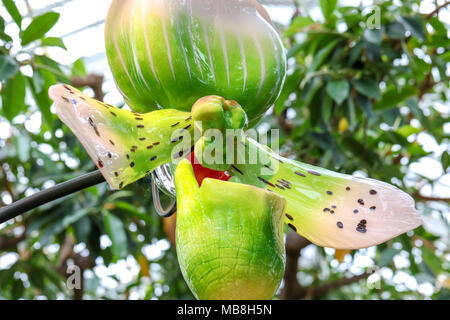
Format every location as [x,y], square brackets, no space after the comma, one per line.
[364,83]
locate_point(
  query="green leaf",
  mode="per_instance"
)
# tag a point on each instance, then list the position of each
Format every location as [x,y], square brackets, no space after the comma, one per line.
[131,209]
[82,229]
[78,68]
[39,85]
[365,104]
[39,27]
[373,35]
[314,98]
[431,260]
[445,160]
[395,30]
[328,7]
[368,87]
[8,67]
[326,109]
[349,111]
[414,25]
[116,232]
[355,53]
[22,144]
[59,225]
[38,81]
[13,98]
[338,90]
[297,24]
[50,65]
[3,35]
[386,257]
[373,51]
[437,25]
[13,11]
[393,96]
[53,42]
[320,57]
[408,130]
[291,85]
[418,113]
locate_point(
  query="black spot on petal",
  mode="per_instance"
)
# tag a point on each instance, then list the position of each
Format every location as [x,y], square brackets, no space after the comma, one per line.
[177,139]
[340,225]
[234,167]
[266,182]
[361,229]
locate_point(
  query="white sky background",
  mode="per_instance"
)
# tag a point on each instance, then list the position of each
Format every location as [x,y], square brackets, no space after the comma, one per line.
[89,43]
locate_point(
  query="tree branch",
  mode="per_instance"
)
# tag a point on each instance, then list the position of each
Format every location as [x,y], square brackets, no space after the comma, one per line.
[7,243]
[7,184]
[94,81]
[317,292]
[84,263]
[435,11]
[292,289]
[427,198]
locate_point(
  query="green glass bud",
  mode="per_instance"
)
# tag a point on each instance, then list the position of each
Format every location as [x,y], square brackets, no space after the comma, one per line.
[168,54]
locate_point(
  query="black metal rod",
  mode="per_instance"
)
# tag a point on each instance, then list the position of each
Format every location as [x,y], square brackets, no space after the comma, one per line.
[60,190]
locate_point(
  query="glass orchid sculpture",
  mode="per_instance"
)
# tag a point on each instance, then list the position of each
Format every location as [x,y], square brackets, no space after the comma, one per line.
[173,61]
